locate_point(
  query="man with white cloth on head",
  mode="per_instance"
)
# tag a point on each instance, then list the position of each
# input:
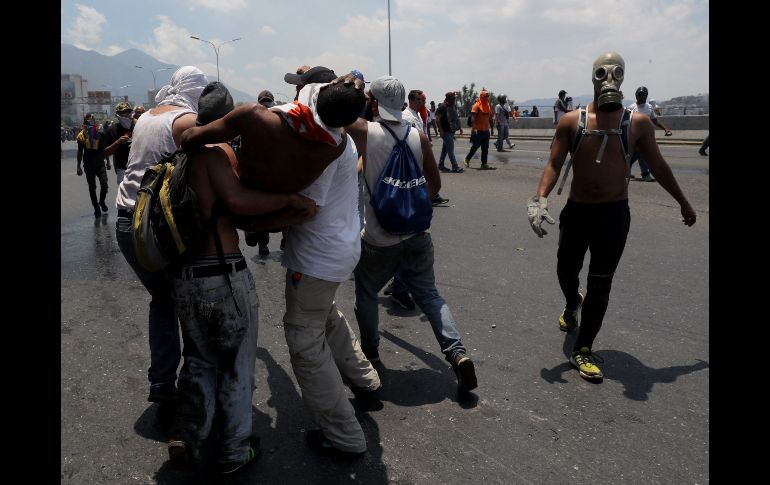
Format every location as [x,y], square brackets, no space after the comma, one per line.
[156,133]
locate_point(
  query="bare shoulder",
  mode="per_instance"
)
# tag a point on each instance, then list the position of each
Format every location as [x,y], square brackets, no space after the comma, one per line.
[357,131]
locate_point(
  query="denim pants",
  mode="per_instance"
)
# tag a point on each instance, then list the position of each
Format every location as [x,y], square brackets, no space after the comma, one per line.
[502,134]
[165,350]
[414,259]
[448,148]
[325,354]
[642,163]
[480,139]
[220,349]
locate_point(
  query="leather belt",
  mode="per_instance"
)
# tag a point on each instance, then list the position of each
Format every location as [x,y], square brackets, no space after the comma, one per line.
[188,272]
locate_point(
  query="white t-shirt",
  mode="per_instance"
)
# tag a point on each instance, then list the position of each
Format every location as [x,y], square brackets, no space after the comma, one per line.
[379,144]
[328,246]
[644,108]
[413,118]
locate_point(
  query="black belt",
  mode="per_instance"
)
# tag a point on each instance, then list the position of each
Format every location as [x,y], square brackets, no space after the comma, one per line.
[126,213]
[209,270]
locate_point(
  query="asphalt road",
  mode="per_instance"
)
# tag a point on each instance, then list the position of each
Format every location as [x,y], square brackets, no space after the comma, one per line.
[532,420]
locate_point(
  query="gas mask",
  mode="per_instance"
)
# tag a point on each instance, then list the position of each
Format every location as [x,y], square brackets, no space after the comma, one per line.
[608,71]
[125,121]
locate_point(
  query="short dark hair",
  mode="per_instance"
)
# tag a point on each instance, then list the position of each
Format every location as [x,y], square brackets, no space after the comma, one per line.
[339,105]
[414,94]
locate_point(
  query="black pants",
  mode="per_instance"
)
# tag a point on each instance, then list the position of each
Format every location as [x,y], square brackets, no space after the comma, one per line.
[91,176]
[603,229]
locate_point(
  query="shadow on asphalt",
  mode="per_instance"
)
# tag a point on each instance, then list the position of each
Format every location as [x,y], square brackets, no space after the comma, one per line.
[417,387]
[284,456]
[636,377]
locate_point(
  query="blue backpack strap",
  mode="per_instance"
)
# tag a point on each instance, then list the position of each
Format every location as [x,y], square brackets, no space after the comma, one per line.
[408,127]
[579,134]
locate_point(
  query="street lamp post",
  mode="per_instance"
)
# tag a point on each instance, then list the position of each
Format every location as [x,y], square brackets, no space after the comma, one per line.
[389,73]
[154,83]
[216,48]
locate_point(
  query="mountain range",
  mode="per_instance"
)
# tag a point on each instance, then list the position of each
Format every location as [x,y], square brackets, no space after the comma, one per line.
[111,73]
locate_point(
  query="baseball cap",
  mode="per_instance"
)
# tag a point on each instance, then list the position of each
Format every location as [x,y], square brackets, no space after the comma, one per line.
[390,95]
[265,95]
[123,106]
[641,90]
[358,74]
[317,74]
[214,103]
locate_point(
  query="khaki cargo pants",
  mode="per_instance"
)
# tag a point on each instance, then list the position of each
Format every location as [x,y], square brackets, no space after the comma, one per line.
[326,355]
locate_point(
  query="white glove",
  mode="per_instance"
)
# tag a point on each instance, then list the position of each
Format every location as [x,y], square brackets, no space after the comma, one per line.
[537,212]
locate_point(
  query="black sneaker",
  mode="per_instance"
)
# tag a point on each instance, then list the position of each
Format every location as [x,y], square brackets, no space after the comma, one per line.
[264,250]
[703,153]
[443,168]
[372,355]
[319,443]
[97,211]
[465,372]
[439,200]
[457,170]
[177,453]
[162,391]
[484,166]
[252,238]
[251,455]
[367,399]
[403,299]
[103,206]
[388,289]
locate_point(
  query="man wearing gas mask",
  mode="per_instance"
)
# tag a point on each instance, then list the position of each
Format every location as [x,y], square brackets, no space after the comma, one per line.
[117,138]
[596,215]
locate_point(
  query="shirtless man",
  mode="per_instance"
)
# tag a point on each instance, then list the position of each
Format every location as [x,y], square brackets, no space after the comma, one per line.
[597,215]
[274,156]
[218,307]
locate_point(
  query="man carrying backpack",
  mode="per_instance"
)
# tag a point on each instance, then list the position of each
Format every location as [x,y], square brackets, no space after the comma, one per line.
[383,251]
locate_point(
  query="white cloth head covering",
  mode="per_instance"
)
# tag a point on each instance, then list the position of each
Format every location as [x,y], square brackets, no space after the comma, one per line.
[186,87]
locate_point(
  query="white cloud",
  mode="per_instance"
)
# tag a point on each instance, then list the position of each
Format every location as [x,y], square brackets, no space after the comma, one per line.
[113,49]
[86,30]
[266,30]
[220,5]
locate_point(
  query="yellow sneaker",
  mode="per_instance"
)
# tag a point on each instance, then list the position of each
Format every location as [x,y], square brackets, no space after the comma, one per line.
[467,163]
[585,361]
[569,318]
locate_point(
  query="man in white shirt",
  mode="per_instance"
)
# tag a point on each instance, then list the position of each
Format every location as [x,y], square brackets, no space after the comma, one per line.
[642,106]
[319,255]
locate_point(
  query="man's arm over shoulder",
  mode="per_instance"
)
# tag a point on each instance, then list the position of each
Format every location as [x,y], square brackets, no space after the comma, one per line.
[429,167]
[219,131]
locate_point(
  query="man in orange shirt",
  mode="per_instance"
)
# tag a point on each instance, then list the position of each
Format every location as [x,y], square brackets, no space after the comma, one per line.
[481,124]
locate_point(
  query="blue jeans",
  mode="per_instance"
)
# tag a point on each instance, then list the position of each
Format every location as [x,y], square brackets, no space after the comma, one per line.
[480,139]
[165,350]
[502,134]
[642,164]
[413,258]
[220,349]
[448,148]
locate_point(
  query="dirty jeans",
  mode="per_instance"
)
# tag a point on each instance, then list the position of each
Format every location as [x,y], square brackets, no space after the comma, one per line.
[220,349]
[165,349]
[325,354]
[414,259]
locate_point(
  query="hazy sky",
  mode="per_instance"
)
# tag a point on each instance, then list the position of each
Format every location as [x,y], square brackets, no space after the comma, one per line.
[524,48]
